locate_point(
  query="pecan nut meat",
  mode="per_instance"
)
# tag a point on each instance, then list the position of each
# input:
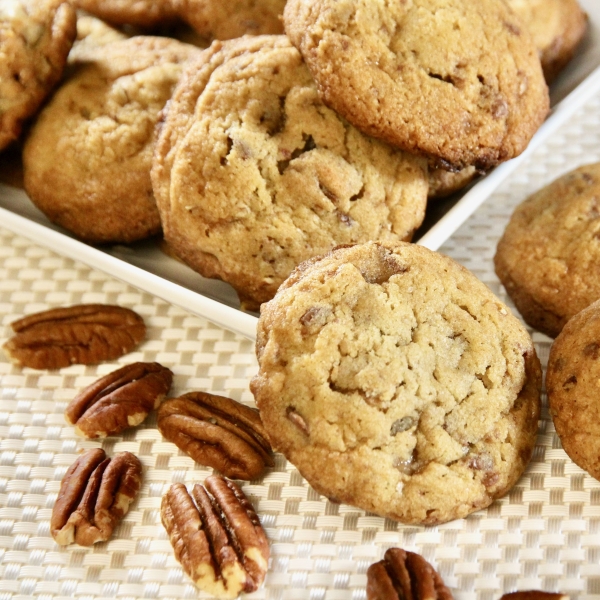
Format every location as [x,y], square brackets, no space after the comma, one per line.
[94,496]
[119,400]
[404,575]
[216,536]
[217,432]
[83,334]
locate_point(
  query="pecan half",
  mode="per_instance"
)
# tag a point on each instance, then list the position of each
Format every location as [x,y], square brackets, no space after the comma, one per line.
[534,595]
[217,537]
[217,432]
[119,400]
[83,334]
[94,496]
[404,575]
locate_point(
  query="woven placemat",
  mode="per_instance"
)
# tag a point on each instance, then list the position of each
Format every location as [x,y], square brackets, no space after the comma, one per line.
[544,534]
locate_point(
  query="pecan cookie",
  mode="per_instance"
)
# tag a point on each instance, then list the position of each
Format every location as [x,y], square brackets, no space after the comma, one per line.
[443,183]
[457,81]
[572,385]
[395,381]
[35,39]
[101,123]
[143,13]
[549,256]
[254,174]
[557,28]
[215,19]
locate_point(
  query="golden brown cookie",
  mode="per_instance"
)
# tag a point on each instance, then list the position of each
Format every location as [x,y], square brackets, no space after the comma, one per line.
[91,33]
[459,82]
[395,381]
[254,174]
[557,28]
[35,39]
[143,13]
[101,124]
[549,256]
[443,183]
[215,19]
[572,385]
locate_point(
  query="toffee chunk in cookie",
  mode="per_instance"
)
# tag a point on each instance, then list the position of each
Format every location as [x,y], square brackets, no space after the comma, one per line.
[549,256]
[215,19]
[572,386]
[142,13]
[253,174]
[395,381]
[459,82]
[35,39]
[101,124]
[557,28]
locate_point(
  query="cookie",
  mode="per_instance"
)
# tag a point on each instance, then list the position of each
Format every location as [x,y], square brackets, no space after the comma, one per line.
[91,33]
[35,39]
[459,82]
[101,124]
[443,183]
[254,174]
[549,255]
[557,28]
[219,20]
[572,385]
[142,13]
[394,380]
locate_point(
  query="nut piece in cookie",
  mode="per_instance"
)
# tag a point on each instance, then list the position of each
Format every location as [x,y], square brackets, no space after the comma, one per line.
[549,255]
[402,575]
[101,123]
[81,334]
[218,20]
[253,174]
[459,82]
[119,400]
[217,537]
[35,39]
[94,496]
[217,432]
[141,13]
[572,385]
[394,380]
[556,26]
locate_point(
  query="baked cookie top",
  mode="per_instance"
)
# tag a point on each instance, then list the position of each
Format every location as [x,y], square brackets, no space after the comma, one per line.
[557,28]
[143,13]
[254,174]
[395,381]
[220,20]
[572,386]
[459,82]
[549,255]
[35,39]
[100,124]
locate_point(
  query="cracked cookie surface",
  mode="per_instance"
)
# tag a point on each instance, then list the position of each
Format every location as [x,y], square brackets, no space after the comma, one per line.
[459,82]
[395,381]
[549,255]
[35,39]
[143,13]
[254,174]
[101,124]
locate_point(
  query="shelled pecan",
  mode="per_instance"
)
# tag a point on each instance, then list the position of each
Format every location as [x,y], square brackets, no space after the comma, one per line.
[94,496]
[83,334]
[217,432]
[216,536]
[404,575]
[119,400]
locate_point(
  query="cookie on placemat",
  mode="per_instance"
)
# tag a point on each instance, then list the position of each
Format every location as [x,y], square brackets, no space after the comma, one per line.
[572,386]
[254,174]
[395,381]
[35,39]
[143,13]
[101,125]
[557,28]
[220,20]
[456,81]
[549,256]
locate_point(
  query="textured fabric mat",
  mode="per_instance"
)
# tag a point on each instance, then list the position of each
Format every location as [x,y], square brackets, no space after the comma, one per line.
[544,534]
